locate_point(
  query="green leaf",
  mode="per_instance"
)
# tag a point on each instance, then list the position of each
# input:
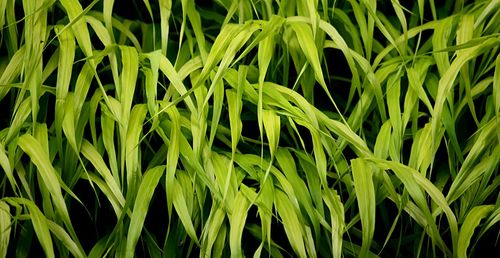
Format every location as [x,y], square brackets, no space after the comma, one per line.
[471,222]
[141,206]
[179,201]
[272,128]
[332,200]
[40,158]
[365,195]
[63,236]
[5,228]
[89,152]
[290,219]
[234,107]
[237,220]
[40,224]
[172,156]
[132,147]
[212,229]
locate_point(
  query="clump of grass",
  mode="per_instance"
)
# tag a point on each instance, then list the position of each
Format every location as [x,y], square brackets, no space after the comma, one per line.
[249,128]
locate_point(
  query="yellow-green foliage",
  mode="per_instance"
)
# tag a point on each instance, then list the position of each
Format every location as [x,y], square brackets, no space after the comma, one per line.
[355,128]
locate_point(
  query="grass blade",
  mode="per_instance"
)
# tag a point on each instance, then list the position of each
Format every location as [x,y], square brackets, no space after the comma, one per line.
[63,236]
[132,147]
[141,206]
[470,224]
[291,222]
[237,220]
[365,194]
[5,228]
[40,224]
[40,158]
[336,208]
[179,201]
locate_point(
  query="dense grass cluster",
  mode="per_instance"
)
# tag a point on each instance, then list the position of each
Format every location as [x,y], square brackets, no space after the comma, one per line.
[344,128]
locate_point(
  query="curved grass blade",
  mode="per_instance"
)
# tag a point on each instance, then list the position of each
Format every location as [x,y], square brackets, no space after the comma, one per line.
[212,229]
[7,167]
[12,71]
[18,119]
[179,201]
[234,103]
[40,225]
[126,87]
[132,147]
[264,54]
[365,194]
[473,168]
[447,80]
[40,158]
[64,71]
[237,220]
[5,228]
[470,224]
[303,193]
[292,224]
[336,207]
[172,156]
[272,128]
[90,153]
[68,121]
[108,139]
[415,183]
[63,236]
[496,87]
[144,195]
[165,11]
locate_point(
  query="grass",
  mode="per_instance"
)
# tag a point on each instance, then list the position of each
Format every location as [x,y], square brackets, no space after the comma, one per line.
[249,128]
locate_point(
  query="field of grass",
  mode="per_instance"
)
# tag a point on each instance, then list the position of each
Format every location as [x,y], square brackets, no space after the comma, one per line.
[332,128]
